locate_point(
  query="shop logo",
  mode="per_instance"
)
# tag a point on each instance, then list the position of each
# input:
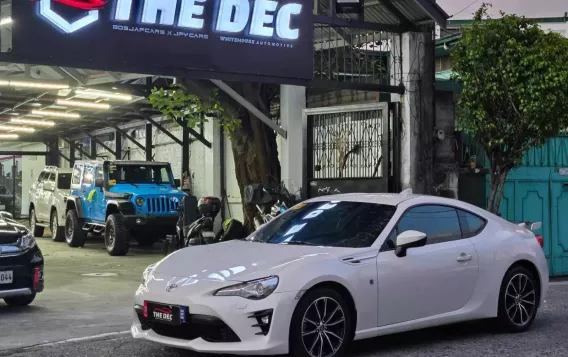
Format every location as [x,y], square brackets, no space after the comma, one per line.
[91,6]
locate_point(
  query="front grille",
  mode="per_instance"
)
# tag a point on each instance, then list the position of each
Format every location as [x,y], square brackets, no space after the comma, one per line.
[162,204]
[9,239]
[209,328]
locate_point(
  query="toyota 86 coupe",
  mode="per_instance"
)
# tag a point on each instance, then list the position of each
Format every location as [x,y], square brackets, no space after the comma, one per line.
[340,268]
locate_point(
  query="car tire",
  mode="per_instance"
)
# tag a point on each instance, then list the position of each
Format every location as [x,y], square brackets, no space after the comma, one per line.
[37,230]
[75,236]
[518,300]
[117,236]
[310,332]
[20,300]
[57,231]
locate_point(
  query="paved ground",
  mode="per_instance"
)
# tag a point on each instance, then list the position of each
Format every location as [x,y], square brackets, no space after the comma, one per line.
[74,305]
[547,338]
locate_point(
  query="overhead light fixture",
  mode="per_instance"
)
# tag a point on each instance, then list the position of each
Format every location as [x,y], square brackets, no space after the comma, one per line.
[9,136]
[78,103]
[16,129]
[6,21]
[52,113]
[47,123]
[39,85]
[108,95]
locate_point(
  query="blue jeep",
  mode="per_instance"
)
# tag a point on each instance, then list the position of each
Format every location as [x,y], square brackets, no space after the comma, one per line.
[121,199]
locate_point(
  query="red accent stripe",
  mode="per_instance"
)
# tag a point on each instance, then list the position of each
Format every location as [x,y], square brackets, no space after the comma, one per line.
[84,4]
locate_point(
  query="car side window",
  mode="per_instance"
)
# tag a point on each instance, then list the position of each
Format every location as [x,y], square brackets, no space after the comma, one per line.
[471,224]
[42,177]
[51,178]
[99,173]
[77,171]
[88,175]
[440,223]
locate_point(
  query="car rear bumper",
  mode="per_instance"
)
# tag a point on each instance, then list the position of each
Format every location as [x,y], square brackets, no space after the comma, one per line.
[25,267]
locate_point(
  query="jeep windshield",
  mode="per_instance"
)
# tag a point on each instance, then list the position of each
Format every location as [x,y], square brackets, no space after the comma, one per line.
[140,174]
[327,223]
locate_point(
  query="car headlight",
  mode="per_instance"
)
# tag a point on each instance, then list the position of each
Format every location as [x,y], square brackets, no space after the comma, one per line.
[253,290]
[27,241]
[140,201]
[147,273]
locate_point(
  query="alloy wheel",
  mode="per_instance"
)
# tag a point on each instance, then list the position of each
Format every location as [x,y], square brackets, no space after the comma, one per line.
[520,299]
[32,220]
[54,224]
[111,236]
[68,227]
[323,327]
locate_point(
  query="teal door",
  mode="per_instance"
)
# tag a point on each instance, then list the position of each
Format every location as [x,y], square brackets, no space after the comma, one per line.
[559,224]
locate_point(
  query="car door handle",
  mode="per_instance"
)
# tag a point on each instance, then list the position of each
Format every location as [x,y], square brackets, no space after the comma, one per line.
[464,257]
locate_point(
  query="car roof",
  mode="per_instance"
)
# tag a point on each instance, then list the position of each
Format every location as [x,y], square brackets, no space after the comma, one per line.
[57,169]
[394,199]
[122,162]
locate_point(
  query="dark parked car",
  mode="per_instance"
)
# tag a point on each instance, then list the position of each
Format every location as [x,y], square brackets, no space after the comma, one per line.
[21,263]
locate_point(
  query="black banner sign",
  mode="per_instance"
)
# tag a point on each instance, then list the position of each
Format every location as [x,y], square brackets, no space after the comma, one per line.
[267,38]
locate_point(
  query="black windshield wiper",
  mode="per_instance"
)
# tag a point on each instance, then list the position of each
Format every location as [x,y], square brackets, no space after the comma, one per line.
[132,183]
[299,243]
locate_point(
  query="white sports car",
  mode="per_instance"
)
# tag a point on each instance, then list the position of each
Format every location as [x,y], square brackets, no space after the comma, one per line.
[344,267]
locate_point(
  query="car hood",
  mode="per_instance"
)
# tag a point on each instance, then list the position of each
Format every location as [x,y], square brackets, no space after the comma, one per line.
[145,189]
[238,260]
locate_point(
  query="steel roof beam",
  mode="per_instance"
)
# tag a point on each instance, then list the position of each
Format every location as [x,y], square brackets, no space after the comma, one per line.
[94,138]
[160,127]
[80,149]
[125,134]
[250,107]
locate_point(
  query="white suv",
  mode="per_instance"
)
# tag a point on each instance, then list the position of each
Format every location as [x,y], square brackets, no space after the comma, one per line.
[47,202]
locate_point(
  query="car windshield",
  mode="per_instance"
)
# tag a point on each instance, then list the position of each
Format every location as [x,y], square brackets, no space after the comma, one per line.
[139,174]
[64,181]
[328,223]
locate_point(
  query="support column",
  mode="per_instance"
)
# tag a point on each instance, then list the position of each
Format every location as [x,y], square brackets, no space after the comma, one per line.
[417,110]
[72,153]
[52,157]
[93,150]
[148,142]
[292,104]
[118,146]
[184,152]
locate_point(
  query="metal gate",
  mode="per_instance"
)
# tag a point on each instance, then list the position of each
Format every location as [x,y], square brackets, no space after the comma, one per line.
[347,149]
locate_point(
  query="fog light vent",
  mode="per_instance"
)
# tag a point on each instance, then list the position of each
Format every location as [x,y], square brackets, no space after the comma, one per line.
[263,321]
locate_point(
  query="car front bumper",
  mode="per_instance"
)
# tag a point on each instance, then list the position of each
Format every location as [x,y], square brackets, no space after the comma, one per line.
[24,266]
[150,221]
[235,317]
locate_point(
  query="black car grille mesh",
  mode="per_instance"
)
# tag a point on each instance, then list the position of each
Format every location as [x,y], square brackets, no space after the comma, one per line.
[209,328]
[162,204]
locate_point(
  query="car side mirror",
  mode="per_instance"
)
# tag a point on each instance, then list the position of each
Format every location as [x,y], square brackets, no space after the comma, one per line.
[535,226]
[100,183]
[409,239]
[177,183]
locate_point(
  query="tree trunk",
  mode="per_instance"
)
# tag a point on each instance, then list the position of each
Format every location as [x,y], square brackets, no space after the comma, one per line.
[498,177]
[254,145]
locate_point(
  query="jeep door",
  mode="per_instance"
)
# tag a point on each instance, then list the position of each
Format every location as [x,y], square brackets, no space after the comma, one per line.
[45,198]
[100,200]
[87,195]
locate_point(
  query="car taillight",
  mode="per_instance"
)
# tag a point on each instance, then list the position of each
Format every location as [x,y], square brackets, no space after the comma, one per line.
[145,310]
[540,240]
[37,275]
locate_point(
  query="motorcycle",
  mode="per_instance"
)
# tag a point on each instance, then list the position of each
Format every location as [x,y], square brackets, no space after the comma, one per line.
[270,200]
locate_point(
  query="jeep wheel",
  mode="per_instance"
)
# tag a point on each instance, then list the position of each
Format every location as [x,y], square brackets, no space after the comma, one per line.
[117,236]
[75,236]
[57,232]
[37,230]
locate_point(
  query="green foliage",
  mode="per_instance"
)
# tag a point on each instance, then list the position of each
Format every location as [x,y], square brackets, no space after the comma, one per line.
[189,110]
[514,80]
[515,83]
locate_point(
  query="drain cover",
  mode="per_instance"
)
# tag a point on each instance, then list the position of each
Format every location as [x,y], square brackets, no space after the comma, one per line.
[100,274]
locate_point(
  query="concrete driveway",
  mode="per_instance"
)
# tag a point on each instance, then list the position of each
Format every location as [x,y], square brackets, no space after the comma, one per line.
[75,304]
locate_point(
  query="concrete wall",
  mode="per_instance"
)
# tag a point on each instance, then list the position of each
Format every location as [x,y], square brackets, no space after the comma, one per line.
[31,168]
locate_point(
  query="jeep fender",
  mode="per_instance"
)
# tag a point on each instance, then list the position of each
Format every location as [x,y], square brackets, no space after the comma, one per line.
[123,206]
[72,202]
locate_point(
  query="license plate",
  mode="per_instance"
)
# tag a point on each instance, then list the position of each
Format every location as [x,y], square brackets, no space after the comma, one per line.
[2,207]
[167,314]
[6,277]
